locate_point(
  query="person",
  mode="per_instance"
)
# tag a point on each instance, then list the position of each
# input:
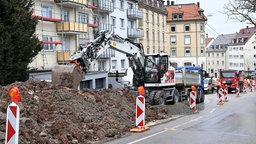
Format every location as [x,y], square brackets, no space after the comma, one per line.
[162,70]
[241,81]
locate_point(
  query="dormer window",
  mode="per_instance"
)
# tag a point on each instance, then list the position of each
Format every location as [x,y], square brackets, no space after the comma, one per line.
[177,17]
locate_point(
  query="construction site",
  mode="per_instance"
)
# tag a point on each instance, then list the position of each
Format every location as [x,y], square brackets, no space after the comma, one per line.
[61,115]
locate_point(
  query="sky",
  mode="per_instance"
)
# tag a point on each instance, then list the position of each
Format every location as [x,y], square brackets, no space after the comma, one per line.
[217,23]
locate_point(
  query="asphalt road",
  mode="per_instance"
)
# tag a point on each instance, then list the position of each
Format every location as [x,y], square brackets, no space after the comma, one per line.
[231,123]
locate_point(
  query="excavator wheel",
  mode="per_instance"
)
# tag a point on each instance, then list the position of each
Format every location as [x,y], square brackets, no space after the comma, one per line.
[67,75]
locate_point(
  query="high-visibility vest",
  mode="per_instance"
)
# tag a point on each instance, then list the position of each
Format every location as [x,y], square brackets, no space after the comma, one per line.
[245,82]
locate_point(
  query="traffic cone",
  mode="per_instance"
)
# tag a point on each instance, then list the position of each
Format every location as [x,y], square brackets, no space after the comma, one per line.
[220,93]
[237,92]
[225,94]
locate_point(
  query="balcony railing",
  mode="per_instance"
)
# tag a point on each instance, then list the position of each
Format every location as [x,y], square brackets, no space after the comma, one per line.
[92,4]
[105,6]
[135,33]
[46,18]
[72,3]
[72,28]
[134,14]
[106,27]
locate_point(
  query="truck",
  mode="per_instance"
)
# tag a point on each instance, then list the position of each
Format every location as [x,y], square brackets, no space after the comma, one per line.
[153,71]
[188,76]
[229,78]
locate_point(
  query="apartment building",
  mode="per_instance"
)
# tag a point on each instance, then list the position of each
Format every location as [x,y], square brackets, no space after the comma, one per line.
[58,32]
[217,58]
[241,50]
[186,34]
[62,33]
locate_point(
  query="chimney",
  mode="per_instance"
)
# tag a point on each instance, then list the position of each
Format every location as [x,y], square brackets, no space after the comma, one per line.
[168,2]
[172,2]
[207,35]
[198,4]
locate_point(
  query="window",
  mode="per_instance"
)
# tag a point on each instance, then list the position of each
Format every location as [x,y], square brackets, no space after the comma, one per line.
[187,40]
[177,17]
[217,54]
[48,47]
[241,65]
[241,56]
[202,27]
[202,51]
[187,28]
[122,22]
[66,43]
[218,63]
[173,28]
[153,20]
[46,11]
[222,54]
[174,65]
[147,17]
[122,64]
[222,63]
[187,64]
[202,39]
[113,21]
[114,64]
[187,52]
[208,54]
[173,52]
[241,48]
[173,40]
[114,3]
[130,5]
[82,18]
[101,65]
[121,4]
[65,15]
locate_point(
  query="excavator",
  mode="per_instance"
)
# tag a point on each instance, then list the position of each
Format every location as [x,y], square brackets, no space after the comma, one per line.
[153,71]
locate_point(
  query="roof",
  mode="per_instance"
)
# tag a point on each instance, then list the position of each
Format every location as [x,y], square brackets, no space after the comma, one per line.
[208,40]
[224,40]
[246,33]
[190,11]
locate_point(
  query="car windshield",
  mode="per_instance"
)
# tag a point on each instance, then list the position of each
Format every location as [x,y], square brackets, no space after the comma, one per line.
[228,74]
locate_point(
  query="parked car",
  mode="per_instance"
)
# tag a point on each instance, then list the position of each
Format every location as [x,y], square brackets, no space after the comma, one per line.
[208,85]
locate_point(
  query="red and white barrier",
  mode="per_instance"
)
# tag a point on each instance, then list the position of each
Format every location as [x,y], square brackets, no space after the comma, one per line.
[250,88]
[237,92]
[140,111]
[245,89]
[220,95]
[192,100]
[225,93]
[12,124]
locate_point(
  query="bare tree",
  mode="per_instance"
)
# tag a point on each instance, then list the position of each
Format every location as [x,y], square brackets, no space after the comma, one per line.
[241,10]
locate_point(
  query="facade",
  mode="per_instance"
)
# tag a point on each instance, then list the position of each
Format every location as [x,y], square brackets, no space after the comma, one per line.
[186,34]
[241,50]
[216,54]
[153,25]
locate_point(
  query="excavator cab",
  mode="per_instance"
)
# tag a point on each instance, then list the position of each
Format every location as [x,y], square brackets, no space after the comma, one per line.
[156,65]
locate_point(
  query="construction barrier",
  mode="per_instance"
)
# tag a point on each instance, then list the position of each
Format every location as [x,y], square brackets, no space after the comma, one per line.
[140,112]
[220,95]
[225,93]
[250,88]
[245,89]
[192,100]
[237,92]
[12,118]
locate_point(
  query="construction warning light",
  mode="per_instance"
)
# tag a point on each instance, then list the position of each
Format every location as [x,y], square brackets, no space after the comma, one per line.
[141,90]
[193,88]
[14,94]
[114,43]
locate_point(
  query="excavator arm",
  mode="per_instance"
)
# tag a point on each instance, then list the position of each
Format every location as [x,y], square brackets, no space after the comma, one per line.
[86,54]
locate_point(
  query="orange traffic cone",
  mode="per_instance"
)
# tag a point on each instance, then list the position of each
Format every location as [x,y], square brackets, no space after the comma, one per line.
[225,94]
[237,92]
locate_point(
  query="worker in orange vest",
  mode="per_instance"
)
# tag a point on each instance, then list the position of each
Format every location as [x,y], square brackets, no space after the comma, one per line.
[245,82]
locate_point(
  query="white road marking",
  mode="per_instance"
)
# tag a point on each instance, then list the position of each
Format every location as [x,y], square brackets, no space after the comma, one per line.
[165,130]
[212,110]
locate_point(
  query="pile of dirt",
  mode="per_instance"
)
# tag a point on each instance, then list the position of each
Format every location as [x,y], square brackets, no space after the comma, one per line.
[62,115]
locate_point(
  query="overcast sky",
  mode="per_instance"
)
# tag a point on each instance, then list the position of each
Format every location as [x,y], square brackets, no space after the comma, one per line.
[217,23]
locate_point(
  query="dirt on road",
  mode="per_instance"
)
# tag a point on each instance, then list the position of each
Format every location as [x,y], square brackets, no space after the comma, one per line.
[55,115]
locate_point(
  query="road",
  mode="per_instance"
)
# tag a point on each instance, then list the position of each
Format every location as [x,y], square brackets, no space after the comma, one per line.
[231,123]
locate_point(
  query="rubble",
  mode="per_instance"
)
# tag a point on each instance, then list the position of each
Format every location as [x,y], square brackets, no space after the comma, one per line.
[62,115]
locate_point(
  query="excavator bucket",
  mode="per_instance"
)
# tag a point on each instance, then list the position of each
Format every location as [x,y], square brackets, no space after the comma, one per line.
[67,75]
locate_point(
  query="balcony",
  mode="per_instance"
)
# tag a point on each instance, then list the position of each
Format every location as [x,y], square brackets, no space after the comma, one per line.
[106,27]
[92,4]
[94,23]
[134,14]
[72,28]
[107,54]
[105,6]
[46,18]
[135,33]
[72,3]
[66,55]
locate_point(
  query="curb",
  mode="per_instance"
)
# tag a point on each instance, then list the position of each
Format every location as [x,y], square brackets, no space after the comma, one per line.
[158,122]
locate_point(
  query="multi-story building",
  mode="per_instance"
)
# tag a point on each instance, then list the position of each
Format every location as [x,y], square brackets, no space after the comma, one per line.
[61,25]
[153,25]
[81,20]
[186,34]
[217,54]
[241,50]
